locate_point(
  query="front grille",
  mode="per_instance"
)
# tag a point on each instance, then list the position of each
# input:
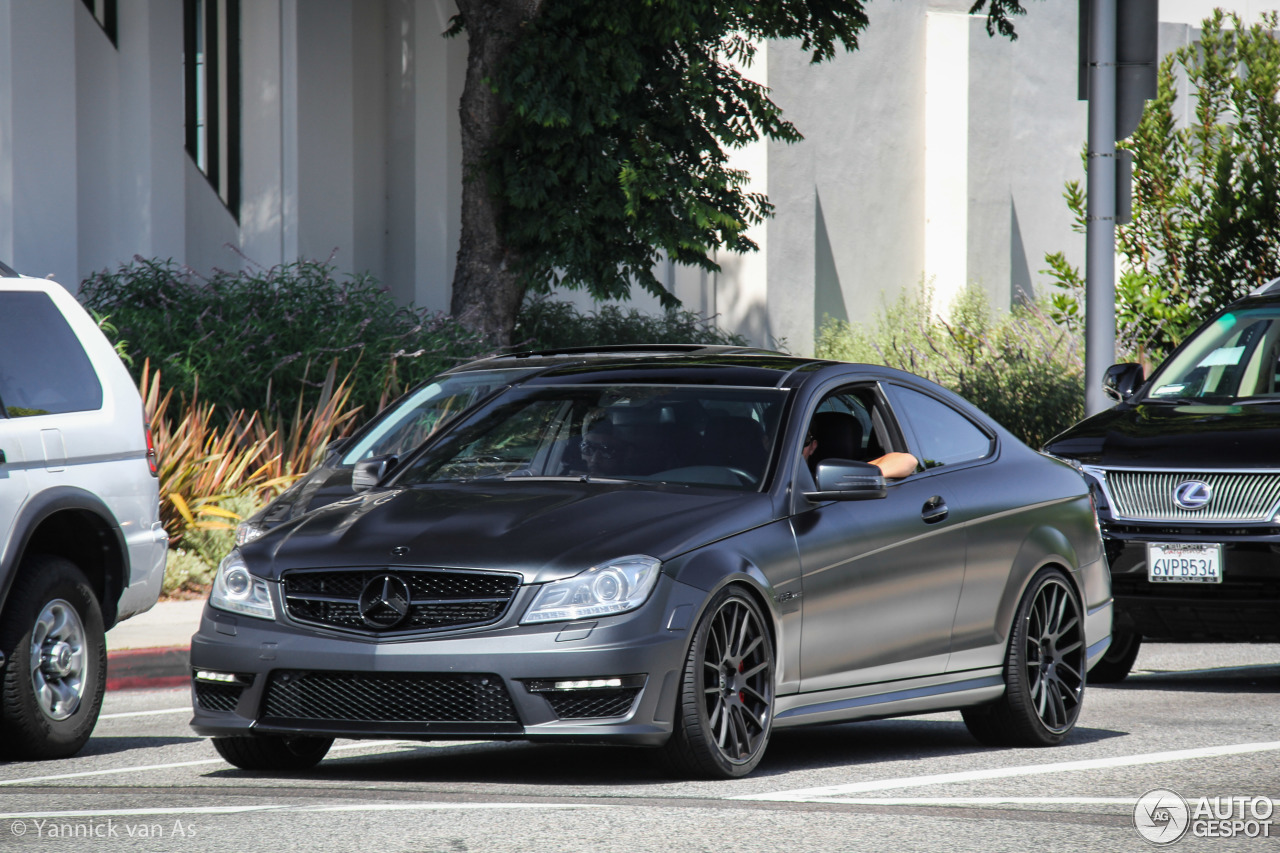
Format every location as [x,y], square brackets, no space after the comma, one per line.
[1239,498]
[1231,590]
[211,696]
[1187,531]
[438,599]
[586,704]
[397,697]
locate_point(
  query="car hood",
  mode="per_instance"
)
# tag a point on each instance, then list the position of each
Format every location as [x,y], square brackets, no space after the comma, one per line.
[544,531]
[323,485]
[1169,435]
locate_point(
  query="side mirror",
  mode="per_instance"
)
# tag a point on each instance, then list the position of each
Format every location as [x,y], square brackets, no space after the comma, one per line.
[846,480]
[370,472]
[1121,381]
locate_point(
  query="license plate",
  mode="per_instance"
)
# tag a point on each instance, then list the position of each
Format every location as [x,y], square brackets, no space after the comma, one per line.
[1177,562]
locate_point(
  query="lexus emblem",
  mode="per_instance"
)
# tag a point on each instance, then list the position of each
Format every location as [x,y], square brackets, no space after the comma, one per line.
[384,602]
[1192,494]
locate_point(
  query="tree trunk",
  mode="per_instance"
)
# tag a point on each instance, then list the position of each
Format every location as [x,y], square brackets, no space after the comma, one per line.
[486,292]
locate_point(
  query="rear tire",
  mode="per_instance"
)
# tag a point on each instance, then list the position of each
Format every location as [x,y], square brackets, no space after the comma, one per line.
[56,661]
[1118,660]
[725,712]
[1044,670]
[272,752]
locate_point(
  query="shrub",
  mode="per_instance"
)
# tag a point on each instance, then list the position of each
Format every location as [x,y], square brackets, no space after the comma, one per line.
[204,464]
[1206,193]
[1022,369]
[259,340]
[545,324]
[190,568]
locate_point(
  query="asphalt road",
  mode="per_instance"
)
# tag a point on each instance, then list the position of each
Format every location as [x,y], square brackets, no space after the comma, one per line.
[1199,721]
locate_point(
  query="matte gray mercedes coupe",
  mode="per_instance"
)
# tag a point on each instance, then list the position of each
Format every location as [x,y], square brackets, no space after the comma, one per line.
[683,552]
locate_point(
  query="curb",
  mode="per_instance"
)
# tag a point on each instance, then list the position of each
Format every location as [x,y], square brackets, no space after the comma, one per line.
[141,668]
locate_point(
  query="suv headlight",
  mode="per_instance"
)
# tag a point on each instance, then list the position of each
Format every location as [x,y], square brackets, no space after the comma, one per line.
[236,590]
[613,587]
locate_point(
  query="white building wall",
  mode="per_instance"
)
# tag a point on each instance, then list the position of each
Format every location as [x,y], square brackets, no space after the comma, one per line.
[267,69]
[850,197]
[932,151]
[41,209]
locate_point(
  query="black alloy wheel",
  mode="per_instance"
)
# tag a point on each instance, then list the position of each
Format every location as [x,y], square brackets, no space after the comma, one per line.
[1044,670]
[725,714]
[273,752]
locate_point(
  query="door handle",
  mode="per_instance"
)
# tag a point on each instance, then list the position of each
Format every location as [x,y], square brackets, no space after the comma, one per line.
[934,510]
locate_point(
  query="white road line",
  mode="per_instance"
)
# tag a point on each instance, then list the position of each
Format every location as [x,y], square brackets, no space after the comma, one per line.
[833,793]
[96,813]
[186,710]
[279,808]
[173,765]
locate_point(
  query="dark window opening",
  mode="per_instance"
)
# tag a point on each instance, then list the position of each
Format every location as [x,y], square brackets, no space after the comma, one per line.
[104,12]
[211,52]
[43,368]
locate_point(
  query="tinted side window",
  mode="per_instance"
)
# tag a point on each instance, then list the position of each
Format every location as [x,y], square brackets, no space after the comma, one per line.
[43,368]
[946,436]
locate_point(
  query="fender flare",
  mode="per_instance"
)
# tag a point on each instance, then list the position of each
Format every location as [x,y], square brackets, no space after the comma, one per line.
[41,507]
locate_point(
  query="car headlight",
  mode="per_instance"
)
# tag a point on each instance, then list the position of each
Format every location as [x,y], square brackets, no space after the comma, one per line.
[236,590]
[247,531]
[613,587]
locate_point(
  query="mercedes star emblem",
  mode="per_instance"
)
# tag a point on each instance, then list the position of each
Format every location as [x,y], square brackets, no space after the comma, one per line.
[384,602]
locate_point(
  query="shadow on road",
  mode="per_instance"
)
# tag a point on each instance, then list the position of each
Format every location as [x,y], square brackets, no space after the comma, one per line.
[848,745]
[117,745]
[1259,678]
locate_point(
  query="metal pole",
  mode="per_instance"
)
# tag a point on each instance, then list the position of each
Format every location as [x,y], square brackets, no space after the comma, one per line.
[1100,234]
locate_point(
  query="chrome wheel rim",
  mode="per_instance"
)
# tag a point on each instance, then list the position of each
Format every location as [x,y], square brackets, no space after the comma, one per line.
[58,660]
[1055,656]
[737,670]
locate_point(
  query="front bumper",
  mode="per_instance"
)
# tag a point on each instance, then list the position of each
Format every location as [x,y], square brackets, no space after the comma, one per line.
[1245,607]
[613,679]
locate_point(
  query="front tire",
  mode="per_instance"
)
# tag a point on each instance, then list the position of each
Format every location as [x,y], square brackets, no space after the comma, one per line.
[270,752]
[56,651]
[1118,660]
[725,712]
[1044,670]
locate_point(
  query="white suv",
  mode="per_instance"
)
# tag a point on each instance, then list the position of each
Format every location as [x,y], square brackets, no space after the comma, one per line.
[81,543]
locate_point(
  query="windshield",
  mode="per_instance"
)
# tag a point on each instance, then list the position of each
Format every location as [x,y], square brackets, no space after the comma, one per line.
[1237,356]
[416,417]
[690,435]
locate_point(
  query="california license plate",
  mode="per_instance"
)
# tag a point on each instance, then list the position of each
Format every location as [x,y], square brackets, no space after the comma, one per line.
[1178,562]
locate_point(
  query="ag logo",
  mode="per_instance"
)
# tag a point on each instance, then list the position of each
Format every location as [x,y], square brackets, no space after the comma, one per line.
[1192,494]
[1161,816]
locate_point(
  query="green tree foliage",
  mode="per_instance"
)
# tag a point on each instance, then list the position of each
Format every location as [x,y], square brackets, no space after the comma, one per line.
[1206,191]
[1022,369]
[607,148]
[261,339]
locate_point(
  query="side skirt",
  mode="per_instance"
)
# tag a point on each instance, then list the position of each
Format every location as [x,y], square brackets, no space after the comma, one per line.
[912,696]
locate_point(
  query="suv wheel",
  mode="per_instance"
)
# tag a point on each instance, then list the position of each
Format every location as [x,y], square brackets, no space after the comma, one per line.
[56,649]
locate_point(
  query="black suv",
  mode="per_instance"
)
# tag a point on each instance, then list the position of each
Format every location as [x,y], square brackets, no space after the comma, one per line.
[1186,475]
